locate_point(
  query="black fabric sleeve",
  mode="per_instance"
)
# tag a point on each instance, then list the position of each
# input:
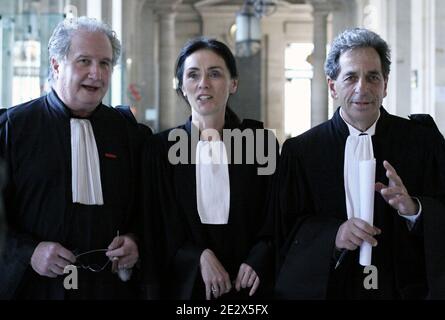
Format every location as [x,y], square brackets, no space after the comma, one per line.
[261,255]
[19,246]
[433,216]
[166,251]
[305,241]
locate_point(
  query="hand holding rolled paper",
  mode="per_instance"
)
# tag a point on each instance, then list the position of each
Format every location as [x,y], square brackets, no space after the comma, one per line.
[353,232]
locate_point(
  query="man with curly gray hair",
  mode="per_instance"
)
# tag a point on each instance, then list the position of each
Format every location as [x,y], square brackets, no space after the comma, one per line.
[354,39]
[326,240]
[73,170]
[60,41]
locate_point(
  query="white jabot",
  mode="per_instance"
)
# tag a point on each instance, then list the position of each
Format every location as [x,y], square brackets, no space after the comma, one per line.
[212,182]
[85,167]
[359,180]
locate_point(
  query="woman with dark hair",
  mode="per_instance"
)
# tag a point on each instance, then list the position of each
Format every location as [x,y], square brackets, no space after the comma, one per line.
[206,190]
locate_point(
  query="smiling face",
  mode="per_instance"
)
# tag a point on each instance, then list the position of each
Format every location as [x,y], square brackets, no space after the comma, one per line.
[82,78]
[207,83]
[360,86]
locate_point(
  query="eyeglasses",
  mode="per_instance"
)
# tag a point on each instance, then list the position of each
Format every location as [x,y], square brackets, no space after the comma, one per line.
[94,267]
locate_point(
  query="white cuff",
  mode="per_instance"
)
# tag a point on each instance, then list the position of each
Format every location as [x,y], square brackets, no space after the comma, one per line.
[411,219]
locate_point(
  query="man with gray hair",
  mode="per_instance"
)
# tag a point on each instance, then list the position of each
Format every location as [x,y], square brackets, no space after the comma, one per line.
[72,176]
[362,161]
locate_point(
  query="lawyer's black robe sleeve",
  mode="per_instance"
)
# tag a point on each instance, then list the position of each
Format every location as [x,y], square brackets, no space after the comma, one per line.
[158,203]
[19,246]
[433,219]
[306,225]
[2,208]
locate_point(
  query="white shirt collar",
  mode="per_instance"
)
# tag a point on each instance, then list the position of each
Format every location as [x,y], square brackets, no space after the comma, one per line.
[356,132]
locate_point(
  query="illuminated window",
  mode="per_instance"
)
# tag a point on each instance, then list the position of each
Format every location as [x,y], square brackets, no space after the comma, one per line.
[298,73]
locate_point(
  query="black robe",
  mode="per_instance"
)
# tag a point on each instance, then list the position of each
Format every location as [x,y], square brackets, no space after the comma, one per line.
[2,208]
[35,143]
[171,207]
[310,199]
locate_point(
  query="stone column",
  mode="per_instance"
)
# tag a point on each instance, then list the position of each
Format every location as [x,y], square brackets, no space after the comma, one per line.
[398,100]
[344,15]
[319,91]
[423,50]
[81,6]
[440,65]
[167,59]
[48,20]
[6,61]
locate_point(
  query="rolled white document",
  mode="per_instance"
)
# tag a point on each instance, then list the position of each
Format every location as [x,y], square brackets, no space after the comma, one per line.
[367,183]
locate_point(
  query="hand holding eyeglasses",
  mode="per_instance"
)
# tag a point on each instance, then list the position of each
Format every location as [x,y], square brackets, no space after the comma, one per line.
[125,249]
[50,258]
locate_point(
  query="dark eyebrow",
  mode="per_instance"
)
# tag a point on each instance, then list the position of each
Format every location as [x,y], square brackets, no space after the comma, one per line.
[350,73]
[83,56]
[210,68]
[374,72]
[215,68]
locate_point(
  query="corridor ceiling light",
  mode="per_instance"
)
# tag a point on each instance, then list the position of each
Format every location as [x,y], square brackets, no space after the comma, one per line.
[263,8]
[248,25]
[248,33]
